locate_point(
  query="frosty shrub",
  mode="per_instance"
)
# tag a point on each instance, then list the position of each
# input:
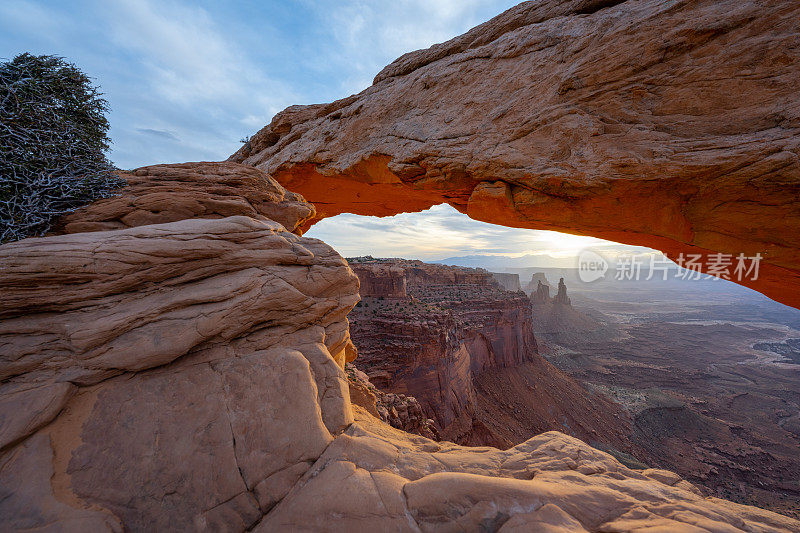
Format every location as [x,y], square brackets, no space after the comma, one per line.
[53,139]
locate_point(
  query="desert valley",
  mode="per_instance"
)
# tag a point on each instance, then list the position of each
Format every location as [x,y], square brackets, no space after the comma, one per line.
[697,377]
[180,352]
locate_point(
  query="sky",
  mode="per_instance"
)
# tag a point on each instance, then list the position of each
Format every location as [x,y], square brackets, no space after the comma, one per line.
[187,80]
[442,232]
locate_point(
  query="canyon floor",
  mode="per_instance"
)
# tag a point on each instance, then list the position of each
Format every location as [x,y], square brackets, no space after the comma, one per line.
[707,371]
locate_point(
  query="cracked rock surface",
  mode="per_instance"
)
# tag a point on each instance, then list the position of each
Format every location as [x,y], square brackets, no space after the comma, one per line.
[661,123]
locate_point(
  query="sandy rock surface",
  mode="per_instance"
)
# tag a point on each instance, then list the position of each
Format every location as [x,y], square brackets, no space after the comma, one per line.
[168,376]
[373,477]
[168,193]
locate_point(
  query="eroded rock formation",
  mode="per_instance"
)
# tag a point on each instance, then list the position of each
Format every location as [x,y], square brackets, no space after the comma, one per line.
[398,410]
[154,376]
[168,193]
[189,375]
[669,125]
[537,279]
[561,296]
[542,294]
[464,347]
[449,324]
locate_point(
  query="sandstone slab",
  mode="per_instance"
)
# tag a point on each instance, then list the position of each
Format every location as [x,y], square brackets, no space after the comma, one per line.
[167,193]
[375,477]
[167,376]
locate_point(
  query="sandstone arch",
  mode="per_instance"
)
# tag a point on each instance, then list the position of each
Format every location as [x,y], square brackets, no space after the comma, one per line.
[674,125]
[175,357]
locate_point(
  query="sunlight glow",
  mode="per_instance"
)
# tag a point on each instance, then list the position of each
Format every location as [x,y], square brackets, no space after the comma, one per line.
[442,232]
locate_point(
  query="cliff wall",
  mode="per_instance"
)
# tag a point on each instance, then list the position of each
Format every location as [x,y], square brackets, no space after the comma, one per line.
[464,347]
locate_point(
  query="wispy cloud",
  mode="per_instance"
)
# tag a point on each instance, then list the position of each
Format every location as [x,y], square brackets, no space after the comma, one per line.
[442,232]
[159,133]
[370,34]
[197,80]
[211,73]
[165,66]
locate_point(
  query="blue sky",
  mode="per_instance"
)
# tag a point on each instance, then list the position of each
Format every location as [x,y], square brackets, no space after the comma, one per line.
[187,80]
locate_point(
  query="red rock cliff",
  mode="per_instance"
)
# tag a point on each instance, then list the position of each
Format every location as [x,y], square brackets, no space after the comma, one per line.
[464,347]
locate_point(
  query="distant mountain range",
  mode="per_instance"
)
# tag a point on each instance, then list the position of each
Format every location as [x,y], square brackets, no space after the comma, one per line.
[495,262]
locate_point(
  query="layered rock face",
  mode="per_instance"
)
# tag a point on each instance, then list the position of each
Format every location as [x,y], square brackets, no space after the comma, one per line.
[397,410]
[669,125]
[463,346]
[169,376]
[381,280]
[188,375]
[450,324]
[168,193]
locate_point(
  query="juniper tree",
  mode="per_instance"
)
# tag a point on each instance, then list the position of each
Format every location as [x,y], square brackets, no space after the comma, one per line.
[53,140]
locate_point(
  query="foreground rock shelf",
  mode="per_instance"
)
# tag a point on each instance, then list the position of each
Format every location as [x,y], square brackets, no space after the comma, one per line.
[189,375]
[373,477]
[669,125]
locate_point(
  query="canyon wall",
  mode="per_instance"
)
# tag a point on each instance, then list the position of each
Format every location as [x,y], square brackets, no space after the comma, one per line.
[449,324]
[672,125]
[463,346]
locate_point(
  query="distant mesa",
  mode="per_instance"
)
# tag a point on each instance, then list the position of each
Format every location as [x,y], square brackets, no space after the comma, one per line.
[533,284]
[509,282]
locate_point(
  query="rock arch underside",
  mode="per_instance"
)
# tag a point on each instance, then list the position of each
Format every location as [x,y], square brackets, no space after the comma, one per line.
[172,358]
[672,125]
